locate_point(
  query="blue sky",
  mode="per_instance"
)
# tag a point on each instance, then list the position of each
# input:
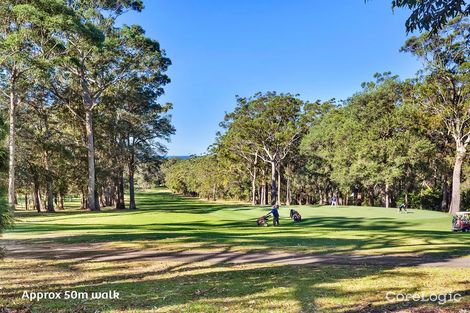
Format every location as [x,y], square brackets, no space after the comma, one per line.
[222,48]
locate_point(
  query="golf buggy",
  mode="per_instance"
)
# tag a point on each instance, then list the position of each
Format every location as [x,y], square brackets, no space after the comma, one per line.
[461,221]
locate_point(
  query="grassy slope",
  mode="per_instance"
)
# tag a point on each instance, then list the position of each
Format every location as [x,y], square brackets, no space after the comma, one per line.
[169,222]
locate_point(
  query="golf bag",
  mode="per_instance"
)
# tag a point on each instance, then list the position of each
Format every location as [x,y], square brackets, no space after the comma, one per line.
[295,216]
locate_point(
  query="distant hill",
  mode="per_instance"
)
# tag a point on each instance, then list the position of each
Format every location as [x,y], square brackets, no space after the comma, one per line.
[182,157]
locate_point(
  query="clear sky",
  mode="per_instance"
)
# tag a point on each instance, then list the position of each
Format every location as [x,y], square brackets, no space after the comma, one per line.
[222,48]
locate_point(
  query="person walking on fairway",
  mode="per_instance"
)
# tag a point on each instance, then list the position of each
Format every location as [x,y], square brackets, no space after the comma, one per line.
[334,201]
[275,213]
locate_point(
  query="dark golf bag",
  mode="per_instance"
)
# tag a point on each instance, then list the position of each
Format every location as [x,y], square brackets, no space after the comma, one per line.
[295,216]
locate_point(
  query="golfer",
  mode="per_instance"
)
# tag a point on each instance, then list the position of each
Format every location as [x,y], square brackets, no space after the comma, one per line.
[402,207]
[275,213]
[334,201]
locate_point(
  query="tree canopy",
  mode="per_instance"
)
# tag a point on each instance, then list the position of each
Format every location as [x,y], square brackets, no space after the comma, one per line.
[83,100]
[394,141]
[431,15]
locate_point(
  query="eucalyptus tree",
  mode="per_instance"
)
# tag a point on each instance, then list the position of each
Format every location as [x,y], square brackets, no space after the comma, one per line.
[368,142]
[43,146]
[270,124]
[443,88]
[28,36]
[241,161]
[235,149]
[329,155]
[95,66]
[142,123]
[36,131]
[136,127]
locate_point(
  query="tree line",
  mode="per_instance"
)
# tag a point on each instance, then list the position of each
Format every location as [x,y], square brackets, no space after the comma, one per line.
[394,141]
[80,95]
[79,98]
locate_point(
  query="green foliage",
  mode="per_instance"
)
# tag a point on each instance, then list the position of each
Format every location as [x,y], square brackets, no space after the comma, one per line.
[442,90]
[431,15]
[200,176]
[371,140]
[426,198]
[6,216]
[67,64]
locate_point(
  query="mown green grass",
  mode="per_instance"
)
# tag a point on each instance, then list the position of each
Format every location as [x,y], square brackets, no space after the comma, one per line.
[168,222]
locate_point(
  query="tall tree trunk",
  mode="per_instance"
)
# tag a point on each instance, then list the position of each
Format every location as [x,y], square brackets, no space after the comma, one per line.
[279,185]
[36,192]
[371,197]
[101,198]
[50,197]
[121,190]
[49,193]
[266,193]
[91,203]
[253,179]
[253,186]
[263,187]
[120,204]
[83,205]
[288,192]
[106,196]
[109,195]
[259,195]
[132,205]
[445,194]
[273,183]
[26,201]
[455,202]
[116,196]
[12,145]
[263,194]
[61,201]
[387,195]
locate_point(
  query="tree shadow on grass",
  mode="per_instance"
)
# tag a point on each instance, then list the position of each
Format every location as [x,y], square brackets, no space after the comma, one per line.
[200,287]
[375,233]
[222,282]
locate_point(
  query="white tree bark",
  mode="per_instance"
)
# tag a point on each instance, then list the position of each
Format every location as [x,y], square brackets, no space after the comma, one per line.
[459,156]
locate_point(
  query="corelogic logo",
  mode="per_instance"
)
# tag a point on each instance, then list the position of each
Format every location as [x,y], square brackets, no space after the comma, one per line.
[421,297]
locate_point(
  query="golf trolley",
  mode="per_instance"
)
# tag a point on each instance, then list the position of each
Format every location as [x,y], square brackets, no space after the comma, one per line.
[263,220]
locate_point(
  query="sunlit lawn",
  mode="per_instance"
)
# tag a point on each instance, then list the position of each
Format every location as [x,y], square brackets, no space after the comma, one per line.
[168,222]
[164,220]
